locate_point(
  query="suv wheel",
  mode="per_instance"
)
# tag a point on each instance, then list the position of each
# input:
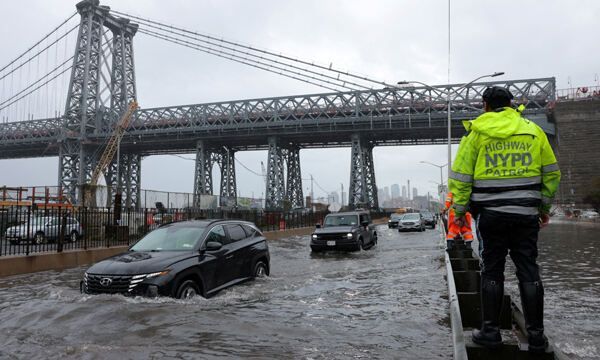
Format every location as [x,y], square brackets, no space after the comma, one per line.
[39,238]
[187,290]
[260,270]
[74,236]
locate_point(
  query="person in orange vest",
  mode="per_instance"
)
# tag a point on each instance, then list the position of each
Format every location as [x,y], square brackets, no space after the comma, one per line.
[462,228]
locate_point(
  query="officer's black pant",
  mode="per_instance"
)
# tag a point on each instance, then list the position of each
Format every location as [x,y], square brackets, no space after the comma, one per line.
[517,235]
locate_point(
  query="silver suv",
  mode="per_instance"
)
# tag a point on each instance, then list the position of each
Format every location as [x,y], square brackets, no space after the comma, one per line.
[42,229]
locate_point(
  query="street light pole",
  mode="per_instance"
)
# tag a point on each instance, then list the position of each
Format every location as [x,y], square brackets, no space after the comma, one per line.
[448,93]
[441,175]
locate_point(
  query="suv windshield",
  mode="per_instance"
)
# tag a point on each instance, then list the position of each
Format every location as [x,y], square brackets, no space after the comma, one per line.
[170,238]
[396,216]
[340,220]
[413,216]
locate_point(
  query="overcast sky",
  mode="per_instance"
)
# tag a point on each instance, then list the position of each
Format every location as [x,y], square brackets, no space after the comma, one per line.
[386,40]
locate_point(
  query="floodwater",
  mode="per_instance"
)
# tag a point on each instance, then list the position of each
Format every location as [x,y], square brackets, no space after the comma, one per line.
[569,259]
[386,303]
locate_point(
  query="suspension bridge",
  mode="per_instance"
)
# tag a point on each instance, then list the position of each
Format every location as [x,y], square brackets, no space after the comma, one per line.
[58,103]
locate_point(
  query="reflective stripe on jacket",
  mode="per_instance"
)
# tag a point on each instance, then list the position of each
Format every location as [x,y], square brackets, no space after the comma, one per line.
[506,164]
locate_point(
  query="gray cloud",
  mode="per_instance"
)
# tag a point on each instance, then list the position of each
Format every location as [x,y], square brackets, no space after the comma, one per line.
[388,40]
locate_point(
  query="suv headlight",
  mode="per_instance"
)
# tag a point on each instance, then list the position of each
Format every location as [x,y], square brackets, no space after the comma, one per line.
[349,235]
[315,236]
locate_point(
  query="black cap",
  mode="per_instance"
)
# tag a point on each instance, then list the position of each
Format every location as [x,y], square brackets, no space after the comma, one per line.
[497,94]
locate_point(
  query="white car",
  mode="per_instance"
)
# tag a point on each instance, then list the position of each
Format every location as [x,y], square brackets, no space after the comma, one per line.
[41,229]
[590,215]
[411,221]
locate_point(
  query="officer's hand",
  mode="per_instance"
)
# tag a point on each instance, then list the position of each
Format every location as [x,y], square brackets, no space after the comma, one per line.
[460,221]
[544,220]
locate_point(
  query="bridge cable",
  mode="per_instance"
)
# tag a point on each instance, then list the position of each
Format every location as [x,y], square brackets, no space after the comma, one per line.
[270,53]
[244,60]
[37,43]
[239,61]
[260,57]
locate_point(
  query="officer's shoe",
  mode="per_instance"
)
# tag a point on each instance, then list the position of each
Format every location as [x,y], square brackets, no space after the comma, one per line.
[492,293]
[449,245]
[468,245]
[532,299]
[489,336]
[538,342]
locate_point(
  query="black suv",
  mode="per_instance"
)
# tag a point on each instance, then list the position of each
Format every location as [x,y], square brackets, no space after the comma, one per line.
[184,259]
[344,231]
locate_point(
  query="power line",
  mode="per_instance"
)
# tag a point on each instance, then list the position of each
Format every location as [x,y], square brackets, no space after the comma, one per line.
[260,57]
[38,53]
[265,52]
[232,58]
[39,42]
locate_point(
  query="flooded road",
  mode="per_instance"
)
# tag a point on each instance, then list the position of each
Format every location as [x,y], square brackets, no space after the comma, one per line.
[385,303]
[569,259]
[570,268]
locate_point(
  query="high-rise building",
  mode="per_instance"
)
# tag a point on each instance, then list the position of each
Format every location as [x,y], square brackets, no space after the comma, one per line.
[404,195]
[386,193]
[381,196]
[408,188]
[334,197]
[395,191]
[415,193]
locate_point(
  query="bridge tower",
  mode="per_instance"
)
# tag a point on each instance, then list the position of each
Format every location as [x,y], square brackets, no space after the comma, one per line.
[86,113]
[363,189]
[279,194]
[206,157]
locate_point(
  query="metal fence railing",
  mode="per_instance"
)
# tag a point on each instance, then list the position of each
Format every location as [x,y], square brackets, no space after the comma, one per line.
[32,229]
[577,94]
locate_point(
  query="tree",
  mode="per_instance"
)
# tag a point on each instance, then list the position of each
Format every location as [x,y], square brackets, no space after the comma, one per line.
[593,195]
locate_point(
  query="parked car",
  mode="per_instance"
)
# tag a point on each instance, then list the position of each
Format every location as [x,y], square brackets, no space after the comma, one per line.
[393,221]
[344,231]
[411,221]
[428,218]
[44,228]
[184,259]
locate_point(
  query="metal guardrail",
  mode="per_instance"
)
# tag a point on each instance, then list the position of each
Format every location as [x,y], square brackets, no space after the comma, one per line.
[458,336]
[578,94]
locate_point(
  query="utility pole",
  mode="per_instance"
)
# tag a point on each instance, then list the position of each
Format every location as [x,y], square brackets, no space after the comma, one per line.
[312,195]
[342,193]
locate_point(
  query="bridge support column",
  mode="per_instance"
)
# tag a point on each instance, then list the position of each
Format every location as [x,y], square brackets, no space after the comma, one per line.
[363,189]
[275,191]
[130,171]
[203,173]
[228,184]
[294,193]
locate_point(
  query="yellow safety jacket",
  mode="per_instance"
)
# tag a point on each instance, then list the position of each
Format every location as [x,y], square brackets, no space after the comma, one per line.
[504,164]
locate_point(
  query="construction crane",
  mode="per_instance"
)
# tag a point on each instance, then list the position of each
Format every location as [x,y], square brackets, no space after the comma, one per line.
[113,143]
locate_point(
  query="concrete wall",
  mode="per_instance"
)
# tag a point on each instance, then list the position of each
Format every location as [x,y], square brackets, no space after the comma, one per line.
[578,141]
[14,265]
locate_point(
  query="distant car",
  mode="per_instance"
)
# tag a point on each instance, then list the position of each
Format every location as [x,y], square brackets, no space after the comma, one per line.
[393,221]
[411,221]
[42,229]
[429,219]
[590,215]
[344,231]
[182,260]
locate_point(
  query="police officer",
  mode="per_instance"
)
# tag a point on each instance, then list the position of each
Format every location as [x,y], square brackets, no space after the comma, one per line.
[506,173]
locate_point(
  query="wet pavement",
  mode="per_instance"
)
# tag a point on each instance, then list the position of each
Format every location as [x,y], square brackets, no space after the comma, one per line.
[389,302]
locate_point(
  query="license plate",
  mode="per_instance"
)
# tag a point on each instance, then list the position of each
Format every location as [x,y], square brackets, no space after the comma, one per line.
[331,243]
